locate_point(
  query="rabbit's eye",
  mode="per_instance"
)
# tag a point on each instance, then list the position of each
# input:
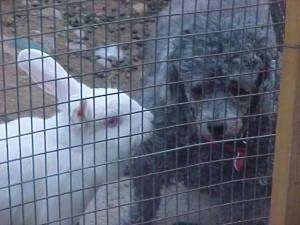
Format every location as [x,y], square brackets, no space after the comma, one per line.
[112,121]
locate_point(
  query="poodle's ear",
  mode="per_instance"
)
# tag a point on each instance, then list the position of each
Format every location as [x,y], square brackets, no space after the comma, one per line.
[49,75]
[176,86]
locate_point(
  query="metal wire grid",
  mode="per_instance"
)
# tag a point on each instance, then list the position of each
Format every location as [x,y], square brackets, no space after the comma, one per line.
[166,150]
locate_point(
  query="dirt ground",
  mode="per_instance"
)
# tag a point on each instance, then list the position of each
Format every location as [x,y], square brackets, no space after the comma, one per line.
[72,30]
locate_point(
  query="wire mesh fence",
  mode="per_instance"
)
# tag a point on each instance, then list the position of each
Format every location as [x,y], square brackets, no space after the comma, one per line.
[138,112]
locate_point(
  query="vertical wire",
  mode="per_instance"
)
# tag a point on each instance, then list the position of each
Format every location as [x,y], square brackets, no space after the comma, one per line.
[258,158]
[30,100]
[43,95]
[69,117]
[245,9]
[82,98]
[177,109]
[260,117]
[130,77]
[187,170]
[249,9]
[156,33]
[106,131]
[94,124]
[199,115]
[119,115]
[18,110]
[197,104]
[240,71]
[44,115]
[225,119]
[190,76]
[205,32]
[57,132]
[270,121]
[195,24]
[252,73]
[223,165]
[142,92]
[30,94]
[5,113]
[170,16]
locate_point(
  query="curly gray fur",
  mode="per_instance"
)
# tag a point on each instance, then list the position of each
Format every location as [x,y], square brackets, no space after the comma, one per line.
[207,57]
[210,49]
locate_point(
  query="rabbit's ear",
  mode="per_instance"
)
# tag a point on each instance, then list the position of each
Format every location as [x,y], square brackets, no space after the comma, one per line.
[48,74]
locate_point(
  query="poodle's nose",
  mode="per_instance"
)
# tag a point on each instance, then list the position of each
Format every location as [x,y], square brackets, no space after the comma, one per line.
[216,128]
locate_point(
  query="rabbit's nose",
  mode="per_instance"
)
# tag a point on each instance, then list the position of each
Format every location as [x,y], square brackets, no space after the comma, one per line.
[216,128]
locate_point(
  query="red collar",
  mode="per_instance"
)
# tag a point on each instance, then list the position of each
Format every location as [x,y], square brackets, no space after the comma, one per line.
[238,151]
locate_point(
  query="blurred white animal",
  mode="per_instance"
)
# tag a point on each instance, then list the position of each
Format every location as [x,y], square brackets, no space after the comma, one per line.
[49,167]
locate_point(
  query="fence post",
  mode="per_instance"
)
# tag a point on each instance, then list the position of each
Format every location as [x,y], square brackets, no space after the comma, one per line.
[285,203]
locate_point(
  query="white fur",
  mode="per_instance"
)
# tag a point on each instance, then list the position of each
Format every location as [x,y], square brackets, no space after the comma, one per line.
[111,205]
[43,170]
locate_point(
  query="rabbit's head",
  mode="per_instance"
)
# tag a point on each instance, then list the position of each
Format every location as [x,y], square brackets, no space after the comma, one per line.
[97,114]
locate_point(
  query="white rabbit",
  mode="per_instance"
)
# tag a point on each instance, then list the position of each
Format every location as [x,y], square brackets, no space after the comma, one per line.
[49,173]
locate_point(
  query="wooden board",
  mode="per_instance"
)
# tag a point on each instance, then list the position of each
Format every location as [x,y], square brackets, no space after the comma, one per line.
[285,203]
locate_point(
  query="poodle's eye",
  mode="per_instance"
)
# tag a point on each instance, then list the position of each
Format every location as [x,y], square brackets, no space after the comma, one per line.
[197,92]
[235,89]
[112,121]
